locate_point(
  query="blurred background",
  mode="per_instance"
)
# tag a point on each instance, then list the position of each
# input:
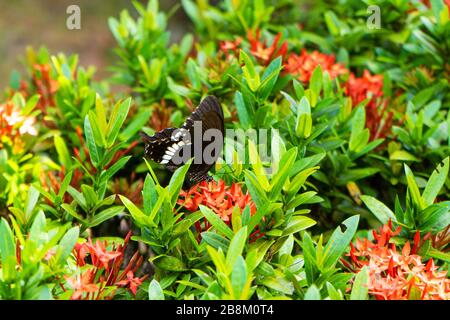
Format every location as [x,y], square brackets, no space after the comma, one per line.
[43,23]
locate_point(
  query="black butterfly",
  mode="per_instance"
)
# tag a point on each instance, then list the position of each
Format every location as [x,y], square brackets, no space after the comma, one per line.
[173,147]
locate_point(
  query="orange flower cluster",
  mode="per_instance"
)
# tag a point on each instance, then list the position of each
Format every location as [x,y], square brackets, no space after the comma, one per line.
[13,124]
[370,87]
[397,275]
[302,66]
[230,47]
[160,118]
[219,198]
[103,270]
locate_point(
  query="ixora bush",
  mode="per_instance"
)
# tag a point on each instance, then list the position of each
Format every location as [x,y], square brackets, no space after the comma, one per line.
[351,203]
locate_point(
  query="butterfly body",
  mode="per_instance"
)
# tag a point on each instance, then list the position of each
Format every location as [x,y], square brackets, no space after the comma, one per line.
[172,147]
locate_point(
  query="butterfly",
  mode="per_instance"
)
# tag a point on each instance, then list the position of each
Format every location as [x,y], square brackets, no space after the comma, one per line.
[173,147]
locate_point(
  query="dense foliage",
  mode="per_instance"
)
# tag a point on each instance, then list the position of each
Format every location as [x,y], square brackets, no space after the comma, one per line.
[352,203]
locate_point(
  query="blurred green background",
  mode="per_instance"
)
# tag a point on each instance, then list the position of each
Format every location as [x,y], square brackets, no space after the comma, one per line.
[43,22]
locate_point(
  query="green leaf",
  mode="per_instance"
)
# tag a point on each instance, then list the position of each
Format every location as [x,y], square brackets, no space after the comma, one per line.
[236,247]
[32,199]
[258,166]
[65,184]
[149,193]
[303,125]
[249,71]
[7,252]
[297,224]
[436,182]
[239,278]
[413,189]
[315,83]
[90,195]
[333,293]
[379,209]
[216,221]
[339,241]
[155,292]
[279,283]
[139,121]
[309,254]
[67,243]
[355,174]
[90,140]
[100,113]
[312,293]
[177,89]
[169,263]
[63,152]
[359,135]
[78,197]
[215,240]
[401,155]
[137,215]
[360,287]
[435,217]
[176,182]
[118,116]
[111,171]
[99,135]
[269,78]
[281,176]
[104,215]
[332,23]
[434,253]
[255,189]
[242,110]
[38,228]
[72,212]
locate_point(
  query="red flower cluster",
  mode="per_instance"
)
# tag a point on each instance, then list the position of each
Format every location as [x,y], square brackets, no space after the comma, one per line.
[230,47]
[397,275]
[219,198]
[103,270]
[265,54]
[302,66]
[370,87]
[259,49]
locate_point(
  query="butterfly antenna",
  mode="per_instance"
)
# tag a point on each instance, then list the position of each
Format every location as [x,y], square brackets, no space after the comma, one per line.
[144,136]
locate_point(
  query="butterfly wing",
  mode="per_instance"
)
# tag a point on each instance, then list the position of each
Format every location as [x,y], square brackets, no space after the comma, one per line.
[157,145]
[210,113]
[166,145]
